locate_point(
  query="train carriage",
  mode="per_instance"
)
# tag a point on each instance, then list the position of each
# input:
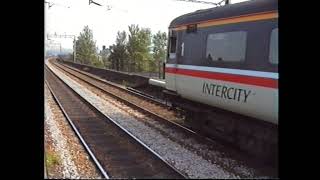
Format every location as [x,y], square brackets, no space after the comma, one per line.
[227,57]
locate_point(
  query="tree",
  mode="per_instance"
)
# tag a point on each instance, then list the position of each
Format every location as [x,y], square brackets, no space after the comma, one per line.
[121,43]
[86,48]
[159,41]
[136,54]
[105,52]
[138,47]
[118,53]
[97,63]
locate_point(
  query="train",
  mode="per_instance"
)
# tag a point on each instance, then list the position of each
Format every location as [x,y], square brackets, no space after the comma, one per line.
[222,69]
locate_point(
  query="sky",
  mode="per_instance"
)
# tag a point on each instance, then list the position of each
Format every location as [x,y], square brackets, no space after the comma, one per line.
[104,23]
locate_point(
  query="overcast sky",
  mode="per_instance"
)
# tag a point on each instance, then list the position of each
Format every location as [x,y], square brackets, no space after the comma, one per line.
[153,14]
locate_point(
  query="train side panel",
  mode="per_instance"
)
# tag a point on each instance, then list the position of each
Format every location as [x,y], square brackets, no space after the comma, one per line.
[259,102]
[227,57]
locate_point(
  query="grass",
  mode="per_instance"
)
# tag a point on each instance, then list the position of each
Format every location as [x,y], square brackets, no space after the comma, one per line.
[52,159]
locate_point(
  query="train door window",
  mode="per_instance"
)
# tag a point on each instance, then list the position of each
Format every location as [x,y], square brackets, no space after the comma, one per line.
[173,44]
[227,46]
[191,49]
[273,52]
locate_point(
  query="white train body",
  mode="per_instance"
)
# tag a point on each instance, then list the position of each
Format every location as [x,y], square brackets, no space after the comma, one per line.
[250,93]
[227,57]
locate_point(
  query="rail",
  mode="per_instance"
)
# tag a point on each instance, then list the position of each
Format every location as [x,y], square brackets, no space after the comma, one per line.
[159,164]
[98,165]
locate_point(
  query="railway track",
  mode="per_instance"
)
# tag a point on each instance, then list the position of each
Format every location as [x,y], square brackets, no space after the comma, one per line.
[102,86]
[132,91]
[156,109]
[116,152]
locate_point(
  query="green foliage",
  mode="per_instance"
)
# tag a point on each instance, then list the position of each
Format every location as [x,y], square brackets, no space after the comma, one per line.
[118,53]
[159,49]
[86,48]
[97,63]
[138,47]
[52,160]
[105,61]
[137,51]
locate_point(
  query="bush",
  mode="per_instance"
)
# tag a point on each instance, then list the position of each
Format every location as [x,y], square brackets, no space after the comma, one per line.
[97,63]
[52,159]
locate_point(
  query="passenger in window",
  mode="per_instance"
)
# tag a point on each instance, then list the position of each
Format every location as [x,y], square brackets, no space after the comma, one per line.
[209,57]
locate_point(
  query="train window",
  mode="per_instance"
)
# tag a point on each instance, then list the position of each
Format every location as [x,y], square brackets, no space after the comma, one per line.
[273,52]
[173,41]
[228,46]
[172,50]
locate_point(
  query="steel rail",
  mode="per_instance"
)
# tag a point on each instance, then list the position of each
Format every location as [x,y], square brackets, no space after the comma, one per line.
[132,103]
[103,172]
[123,129]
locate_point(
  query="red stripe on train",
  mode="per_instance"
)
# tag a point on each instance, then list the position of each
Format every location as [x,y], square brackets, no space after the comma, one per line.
[257,81]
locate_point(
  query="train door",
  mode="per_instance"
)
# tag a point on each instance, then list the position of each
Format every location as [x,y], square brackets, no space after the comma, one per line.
[189,46]
[171,64]
[182,50]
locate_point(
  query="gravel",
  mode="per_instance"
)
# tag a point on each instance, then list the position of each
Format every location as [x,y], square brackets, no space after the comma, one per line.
[189,160]
[74,163]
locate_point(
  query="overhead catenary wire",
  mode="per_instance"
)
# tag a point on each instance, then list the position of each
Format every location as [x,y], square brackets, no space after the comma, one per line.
[207,2]
[92,2]
[50,4]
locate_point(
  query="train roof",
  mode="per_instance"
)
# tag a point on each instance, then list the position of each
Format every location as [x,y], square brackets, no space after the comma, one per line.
[238,9]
